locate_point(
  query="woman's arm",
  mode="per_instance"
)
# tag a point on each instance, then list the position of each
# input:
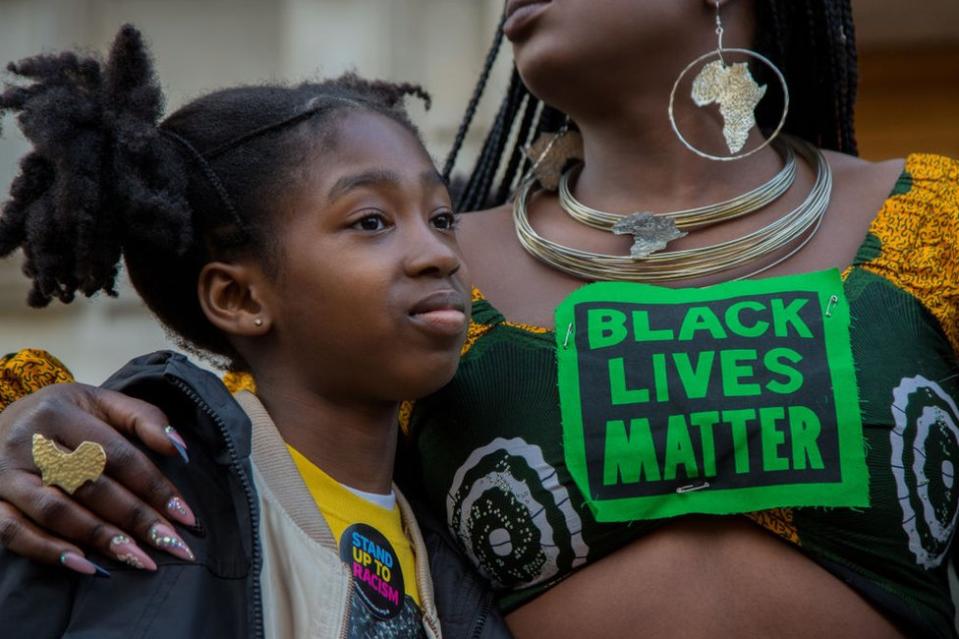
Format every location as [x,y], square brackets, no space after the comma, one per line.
[42,522]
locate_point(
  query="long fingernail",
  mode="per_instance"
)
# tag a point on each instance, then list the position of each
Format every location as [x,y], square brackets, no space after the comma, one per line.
[126,550]
[163,537]
[177,442]
[75,562]
[178,509]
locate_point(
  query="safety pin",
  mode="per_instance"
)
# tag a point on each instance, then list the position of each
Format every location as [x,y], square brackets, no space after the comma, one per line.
[569,331]
[833,300]
[691,488]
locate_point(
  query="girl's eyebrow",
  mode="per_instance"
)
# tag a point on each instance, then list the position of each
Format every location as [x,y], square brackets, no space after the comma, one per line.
[377,177]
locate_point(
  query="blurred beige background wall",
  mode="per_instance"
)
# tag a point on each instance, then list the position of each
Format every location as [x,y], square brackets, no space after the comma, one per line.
[909,98]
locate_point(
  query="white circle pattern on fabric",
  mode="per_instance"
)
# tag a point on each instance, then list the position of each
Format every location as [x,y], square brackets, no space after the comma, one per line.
[506,518]
[929,520]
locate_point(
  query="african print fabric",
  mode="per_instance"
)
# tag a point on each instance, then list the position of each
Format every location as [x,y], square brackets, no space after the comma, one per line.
[28,371]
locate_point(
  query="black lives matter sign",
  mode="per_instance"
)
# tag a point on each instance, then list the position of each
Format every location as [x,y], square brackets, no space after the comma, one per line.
[725,399]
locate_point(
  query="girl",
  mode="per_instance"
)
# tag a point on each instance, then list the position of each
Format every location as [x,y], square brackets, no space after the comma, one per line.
[524,491]
[303,234]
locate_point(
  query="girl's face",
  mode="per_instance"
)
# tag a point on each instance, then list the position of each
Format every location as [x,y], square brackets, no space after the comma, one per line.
[371,298]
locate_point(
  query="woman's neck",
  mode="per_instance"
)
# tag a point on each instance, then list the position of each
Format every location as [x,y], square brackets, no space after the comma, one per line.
[632,158]
[352,441]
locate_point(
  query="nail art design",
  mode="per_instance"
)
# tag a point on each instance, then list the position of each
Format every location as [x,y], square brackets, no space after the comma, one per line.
[177,442]
[163,537]
[126,550]
[79,564]
[177,509]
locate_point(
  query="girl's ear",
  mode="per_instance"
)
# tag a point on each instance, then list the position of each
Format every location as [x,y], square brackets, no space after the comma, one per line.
[232,298]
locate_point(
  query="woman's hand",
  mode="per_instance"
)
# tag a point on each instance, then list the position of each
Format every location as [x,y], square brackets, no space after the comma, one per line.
[131,499]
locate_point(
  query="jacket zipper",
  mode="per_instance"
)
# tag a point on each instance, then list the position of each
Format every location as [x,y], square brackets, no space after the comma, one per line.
[481,620]
[250,500]
[428,613]
[345,625]
[429,622]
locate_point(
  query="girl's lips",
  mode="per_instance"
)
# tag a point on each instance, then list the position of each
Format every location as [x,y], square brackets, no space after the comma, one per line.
[442,312]
[447,321]
[520,13]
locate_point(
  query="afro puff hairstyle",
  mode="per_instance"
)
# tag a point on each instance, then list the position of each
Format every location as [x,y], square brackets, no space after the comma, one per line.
[107,179]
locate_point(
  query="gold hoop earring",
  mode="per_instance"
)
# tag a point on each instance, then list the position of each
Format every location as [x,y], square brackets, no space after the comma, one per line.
[736,92]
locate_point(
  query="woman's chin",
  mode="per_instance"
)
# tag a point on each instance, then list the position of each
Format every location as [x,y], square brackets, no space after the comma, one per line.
[546,69]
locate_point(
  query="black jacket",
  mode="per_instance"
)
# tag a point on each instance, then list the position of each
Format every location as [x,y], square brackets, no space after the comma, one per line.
[219,594]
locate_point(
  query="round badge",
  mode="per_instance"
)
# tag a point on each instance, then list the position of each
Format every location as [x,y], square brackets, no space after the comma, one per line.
[375,568]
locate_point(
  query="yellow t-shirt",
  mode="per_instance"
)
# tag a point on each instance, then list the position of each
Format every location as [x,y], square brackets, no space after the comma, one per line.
[384,569]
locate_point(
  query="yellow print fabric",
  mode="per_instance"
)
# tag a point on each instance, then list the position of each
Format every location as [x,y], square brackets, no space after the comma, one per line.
[28,371]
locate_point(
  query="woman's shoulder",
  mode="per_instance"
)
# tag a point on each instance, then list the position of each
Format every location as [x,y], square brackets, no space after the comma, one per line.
[913,241]
[921,206]
[932,181]
[917,180]
[911,204]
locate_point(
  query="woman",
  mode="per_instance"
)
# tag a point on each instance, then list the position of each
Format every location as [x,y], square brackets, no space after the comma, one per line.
[500,475]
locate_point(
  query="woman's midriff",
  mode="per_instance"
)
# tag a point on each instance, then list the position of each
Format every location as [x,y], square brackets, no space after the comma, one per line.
[702,577]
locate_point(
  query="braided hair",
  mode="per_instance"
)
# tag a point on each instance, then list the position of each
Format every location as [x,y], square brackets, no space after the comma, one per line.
[106,179]
[811,41]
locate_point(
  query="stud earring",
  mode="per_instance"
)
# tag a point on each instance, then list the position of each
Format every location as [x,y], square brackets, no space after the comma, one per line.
[258,322]
[733,88]
[550,153]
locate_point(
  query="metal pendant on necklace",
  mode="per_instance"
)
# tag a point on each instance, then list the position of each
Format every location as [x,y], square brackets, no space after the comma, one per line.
[650,233]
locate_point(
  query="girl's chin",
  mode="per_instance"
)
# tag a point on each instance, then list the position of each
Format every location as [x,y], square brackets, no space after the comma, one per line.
[431,375]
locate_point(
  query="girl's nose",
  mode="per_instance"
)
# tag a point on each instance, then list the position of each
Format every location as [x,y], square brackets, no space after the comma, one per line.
[433,254]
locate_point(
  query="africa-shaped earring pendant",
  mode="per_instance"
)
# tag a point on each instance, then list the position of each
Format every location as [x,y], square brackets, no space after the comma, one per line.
[737,94]
[733,88]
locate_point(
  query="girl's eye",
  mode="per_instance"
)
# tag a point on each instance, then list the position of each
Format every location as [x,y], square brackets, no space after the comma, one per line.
[445,221]
[372,222]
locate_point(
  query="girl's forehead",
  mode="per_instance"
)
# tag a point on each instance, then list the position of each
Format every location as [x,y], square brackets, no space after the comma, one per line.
[366,150]
[364,141]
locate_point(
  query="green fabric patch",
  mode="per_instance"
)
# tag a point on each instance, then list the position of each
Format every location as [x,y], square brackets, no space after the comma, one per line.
[719,400]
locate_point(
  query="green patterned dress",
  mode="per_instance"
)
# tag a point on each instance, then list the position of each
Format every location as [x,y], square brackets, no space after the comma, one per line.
[491,442]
